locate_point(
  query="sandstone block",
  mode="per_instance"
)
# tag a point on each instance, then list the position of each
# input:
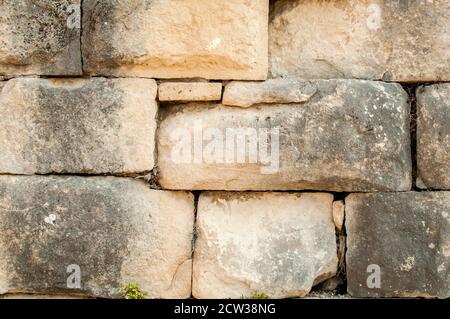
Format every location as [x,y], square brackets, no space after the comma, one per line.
[274,243]
[433,136]
[40,37]
[189,91]
[403,41]
[350,136]
[245,94]
[105,231]
[398,244]
[176,38]
[338,214]
[77,125]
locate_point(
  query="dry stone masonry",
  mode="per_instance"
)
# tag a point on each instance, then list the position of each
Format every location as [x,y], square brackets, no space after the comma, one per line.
[349,136]
[222,149]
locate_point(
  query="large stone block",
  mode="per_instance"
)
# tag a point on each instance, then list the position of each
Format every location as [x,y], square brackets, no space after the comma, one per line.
[274,243]
[398,244]
[349,136]
[40,37]
[433,136]
[404,41]
[176,38]
[77,125]
[110,231]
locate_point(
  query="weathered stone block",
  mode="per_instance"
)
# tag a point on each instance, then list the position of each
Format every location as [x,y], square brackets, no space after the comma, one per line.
[274,243]
[245,94]
[350,136]
[40,37]
[433,136]
[398,244]
[77,125]
[116,230]
[176,38]
[189,91]
[339,214]
[404,41]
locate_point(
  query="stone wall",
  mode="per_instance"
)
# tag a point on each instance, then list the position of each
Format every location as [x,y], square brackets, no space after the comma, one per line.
[218,149]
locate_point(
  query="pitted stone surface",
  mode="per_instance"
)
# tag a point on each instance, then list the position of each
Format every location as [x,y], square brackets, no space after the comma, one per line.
[40,37]
[433,136]
[404,41]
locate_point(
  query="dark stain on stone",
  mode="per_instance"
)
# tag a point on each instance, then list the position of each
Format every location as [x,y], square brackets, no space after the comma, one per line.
[101,20]
[402,227]
[41,25]
[70,125]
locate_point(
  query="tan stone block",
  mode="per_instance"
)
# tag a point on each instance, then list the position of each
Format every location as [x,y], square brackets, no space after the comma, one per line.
[403,41]
[189,91]
[176,38]
[278,244]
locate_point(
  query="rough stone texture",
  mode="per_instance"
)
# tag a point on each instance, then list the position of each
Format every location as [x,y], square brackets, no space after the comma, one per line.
[338,214]
[389,40]
[245,94]
[274,243]
[36,39]
[350,136]
[407,235]
[183,38]
[116,229]
[189,91]
[77,125]
[433,136]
